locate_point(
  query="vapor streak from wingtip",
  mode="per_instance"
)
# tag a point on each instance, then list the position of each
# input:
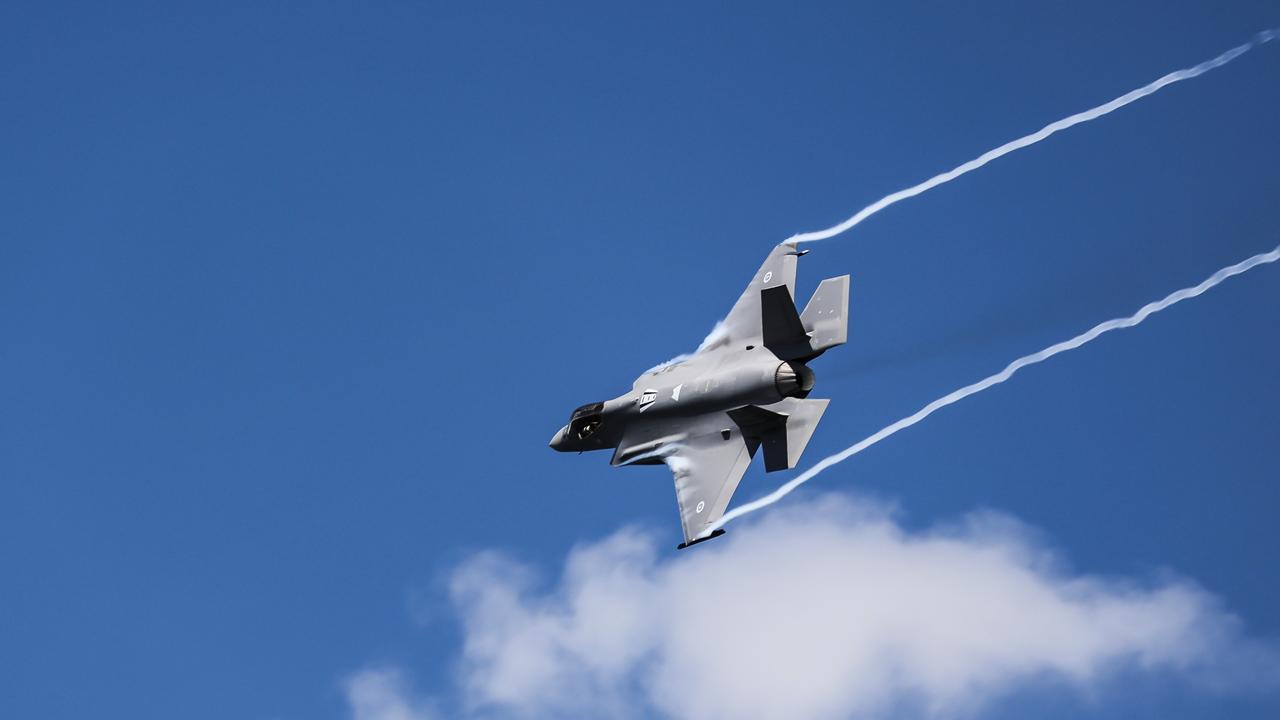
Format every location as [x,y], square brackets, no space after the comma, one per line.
[1013,367]
[1133,95]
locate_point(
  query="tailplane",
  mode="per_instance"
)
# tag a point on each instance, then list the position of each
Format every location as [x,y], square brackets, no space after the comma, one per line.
[783,429]
[823,325]
[826,317]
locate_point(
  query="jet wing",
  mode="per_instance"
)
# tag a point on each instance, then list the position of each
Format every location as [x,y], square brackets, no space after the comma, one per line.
[764,315]
[707,455]
[743,323]
[707,468]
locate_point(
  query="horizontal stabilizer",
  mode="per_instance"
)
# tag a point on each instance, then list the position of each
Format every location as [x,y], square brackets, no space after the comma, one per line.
[766,428]
[802,420]
[826,317]
[783,429]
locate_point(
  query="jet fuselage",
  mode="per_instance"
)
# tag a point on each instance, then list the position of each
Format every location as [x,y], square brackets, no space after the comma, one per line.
[759,378]
[742,393]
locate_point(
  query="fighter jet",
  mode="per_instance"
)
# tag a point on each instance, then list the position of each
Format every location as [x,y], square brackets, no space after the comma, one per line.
[706,415]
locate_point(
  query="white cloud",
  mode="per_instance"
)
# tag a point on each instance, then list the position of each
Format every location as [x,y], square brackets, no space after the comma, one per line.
[822,610]
[383,694]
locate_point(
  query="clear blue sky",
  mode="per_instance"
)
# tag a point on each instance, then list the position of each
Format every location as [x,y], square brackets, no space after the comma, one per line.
[293,296]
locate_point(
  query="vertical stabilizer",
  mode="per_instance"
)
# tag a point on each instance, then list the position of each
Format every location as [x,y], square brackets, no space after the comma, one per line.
[782,429]
[802,420]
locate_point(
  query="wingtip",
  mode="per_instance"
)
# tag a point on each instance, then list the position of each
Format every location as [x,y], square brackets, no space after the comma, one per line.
[793,246]
[714,534]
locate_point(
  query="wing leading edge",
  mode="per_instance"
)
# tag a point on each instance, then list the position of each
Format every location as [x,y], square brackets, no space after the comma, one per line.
[709,454]
[743,323]
[707,469]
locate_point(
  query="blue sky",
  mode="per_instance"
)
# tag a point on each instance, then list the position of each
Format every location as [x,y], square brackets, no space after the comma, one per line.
[292,298]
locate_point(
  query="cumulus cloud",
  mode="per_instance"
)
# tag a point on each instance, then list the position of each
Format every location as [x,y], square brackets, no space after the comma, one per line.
[828,609]
[383,694]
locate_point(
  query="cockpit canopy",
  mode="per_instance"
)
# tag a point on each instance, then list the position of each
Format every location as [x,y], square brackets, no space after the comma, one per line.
[586,420]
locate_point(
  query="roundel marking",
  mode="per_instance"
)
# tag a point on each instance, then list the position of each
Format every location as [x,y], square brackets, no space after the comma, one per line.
[768,276]
[701,504]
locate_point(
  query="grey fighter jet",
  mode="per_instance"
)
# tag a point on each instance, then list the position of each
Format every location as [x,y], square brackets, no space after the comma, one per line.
[706,415]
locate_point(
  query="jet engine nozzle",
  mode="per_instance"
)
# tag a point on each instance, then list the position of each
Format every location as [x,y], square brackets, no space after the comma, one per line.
[793,379]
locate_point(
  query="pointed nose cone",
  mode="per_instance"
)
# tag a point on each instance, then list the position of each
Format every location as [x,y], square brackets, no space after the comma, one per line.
[557,440]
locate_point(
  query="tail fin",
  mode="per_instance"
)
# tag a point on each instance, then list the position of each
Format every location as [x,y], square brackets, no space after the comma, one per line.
[823,325]
[802,420]
[781,329]
[826,317]
[783,429]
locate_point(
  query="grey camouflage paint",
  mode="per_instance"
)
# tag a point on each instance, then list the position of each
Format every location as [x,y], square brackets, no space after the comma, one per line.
[706,415]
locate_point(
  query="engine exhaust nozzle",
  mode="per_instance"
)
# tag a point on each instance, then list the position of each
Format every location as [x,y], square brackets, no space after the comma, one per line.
[793,379]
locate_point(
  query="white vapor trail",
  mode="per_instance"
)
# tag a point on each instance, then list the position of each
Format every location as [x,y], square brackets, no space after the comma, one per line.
[1177,76]
[1013,367]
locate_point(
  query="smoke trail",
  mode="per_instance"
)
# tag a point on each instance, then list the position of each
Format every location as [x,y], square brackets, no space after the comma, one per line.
[1177,76]
[1015,366]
